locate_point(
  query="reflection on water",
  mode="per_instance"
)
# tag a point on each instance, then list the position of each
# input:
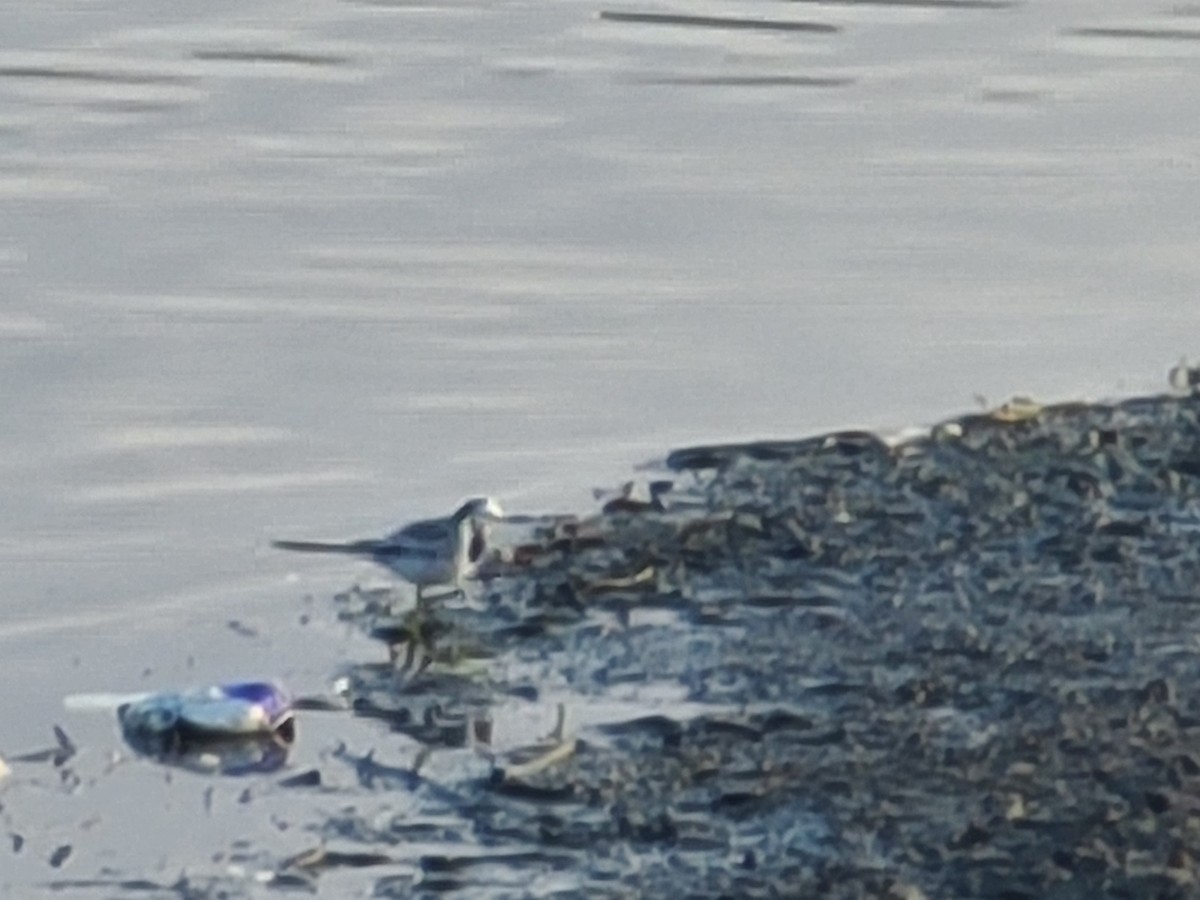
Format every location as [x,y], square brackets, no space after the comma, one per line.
[269,268]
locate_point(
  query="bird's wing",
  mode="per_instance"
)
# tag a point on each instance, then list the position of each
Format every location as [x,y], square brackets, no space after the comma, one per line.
[389,549]
[427,531]
[427,539]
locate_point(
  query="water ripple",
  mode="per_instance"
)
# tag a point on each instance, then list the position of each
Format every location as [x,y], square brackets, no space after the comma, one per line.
[1146,34]
[753,81]
[720,22]
[176,437]
[56,73]
[272,56]
[153,490]
[919,4]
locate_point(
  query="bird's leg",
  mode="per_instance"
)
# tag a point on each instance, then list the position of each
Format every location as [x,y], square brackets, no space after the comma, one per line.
[418,654]
[560,724]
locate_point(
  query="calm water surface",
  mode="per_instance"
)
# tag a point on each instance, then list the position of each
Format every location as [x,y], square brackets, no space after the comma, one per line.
[312,268]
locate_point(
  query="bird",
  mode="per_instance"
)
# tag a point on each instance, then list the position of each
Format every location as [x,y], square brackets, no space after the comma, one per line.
[425,553]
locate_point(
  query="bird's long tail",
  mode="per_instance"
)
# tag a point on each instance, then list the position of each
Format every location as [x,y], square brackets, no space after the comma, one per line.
[353,548]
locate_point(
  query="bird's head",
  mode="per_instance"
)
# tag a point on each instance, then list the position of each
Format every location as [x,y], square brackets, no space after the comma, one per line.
[479,508]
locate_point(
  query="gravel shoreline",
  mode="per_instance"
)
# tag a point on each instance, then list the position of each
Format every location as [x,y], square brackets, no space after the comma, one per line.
[956,666]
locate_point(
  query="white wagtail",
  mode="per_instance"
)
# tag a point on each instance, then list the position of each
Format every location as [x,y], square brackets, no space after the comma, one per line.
[425,553]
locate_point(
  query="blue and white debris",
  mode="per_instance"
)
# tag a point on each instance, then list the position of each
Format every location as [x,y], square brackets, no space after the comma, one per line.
[221,712]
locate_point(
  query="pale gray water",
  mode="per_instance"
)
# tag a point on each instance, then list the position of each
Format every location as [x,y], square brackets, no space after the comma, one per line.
[312,268]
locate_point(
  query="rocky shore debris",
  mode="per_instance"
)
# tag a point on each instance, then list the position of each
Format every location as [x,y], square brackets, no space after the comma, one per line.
[63,751]
[952,665]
